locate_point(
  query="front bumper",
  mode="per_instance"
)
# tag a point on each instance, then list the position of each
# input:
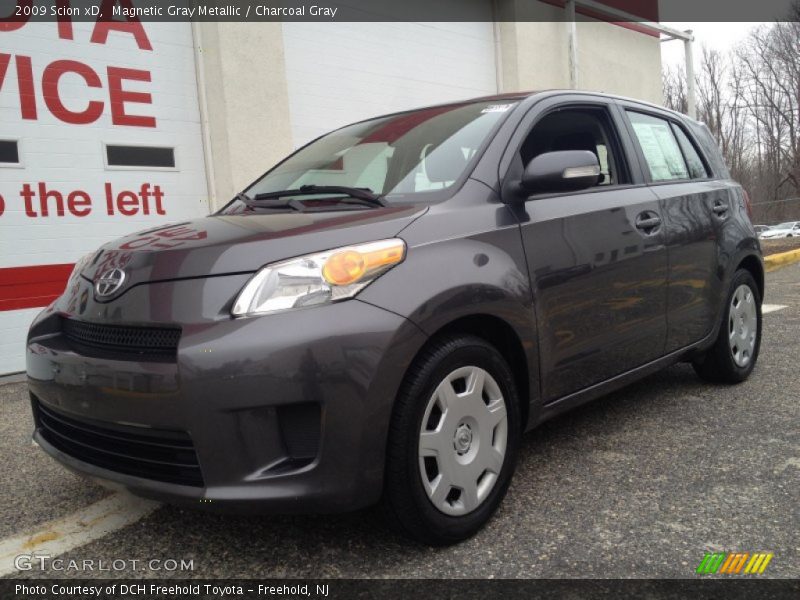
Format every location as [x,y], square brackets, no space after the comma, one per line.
[284,413]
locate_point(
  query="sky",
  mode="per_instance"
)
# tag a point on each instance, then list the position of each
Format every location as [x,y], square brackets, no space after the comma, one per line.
[719,36]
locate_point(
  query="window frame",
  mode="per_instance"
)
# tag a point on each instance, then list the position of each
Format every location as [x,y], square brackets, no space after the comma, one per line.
[671,121]
[20,164]
[618,139]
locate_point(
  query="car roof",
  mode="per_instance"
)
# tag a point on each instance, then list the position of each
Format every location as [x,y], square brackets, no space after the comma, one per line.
[524,95]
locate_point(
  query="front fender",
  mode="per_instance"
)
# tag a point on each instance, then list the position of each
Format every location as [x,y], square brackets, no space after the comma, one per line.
[444,281]
[463,274]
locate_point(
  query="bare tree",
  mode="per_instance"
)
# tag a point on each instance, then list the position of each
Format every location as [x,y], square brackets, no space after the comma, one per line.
[674,83]
[770,64]
[750,99]
[721,107]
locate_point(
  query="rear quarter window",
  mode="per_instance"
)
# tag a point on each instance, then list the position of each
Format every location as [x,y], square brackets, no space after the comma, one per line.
[710,149]
[697,169]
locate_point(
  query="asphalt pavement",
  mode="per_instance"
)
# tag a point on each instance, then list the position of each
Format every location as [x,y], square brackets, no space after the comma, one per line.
[641,483]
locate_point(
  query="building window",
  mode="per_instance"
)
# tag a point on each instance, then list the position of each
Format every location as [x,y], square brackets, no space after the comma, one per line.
[140,156]
[9,152]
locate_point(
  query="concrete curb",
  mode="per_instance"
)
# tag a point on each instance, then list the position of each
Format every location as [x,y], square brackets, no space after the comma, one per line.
[13,378]
[776,261]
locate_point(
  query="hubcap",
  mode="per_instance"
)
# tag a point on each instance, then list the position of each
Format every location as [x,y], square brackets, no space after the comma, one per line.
[462,442]
[742,325]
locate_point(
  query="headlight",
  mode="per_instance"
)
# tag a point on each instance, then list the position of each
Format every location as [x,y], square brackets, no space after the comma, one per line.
[317,278]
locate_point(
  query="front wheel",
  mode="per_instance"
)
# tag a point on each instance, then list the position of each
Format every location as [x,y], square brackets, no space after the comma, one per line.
[734,354]
[453,441]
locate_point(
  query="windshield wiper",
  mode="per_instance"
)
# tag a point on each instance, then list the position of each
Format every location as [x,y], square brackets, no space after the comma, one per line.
[364,195]
[254,203]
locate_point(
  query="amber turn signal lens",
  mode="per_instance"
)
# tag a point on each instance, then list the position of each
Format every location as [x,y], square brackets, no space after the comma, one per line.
[345,267]
[351,265]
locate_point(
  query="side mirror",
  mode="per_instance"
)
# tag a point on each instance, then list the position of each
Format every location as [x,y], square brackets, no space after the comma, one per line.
[561,171]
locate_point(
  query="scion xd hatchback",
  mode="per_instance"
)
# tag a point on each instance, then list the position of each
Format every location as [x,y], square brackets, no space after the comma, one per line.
[385,312]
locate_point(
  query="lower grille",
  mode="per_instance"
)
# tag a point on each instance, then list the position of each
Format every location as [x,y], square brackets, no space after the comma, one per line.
[162,455]
[143,342]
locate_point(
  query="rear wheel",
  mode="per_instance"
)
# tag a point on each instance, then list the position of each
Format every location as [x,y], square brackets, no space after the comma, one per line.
[453,441]
[734,354]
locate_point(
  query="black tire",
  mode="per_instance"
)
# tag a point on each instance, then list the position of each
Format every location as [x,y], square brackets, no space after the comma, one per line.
[405,503]
[717,364]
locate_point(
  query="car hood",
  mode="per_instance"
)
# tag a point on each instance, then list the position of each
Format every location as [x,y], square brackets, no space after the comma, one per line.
[224,244]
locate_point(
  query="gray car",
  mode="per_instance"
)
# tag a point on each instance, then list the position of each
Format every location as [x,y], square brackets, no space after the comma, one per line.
[381,316]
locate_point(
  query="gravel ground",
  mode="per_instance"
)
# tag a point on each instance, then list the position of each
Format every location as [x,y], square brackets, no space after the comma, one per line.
[34,487]
[638,484]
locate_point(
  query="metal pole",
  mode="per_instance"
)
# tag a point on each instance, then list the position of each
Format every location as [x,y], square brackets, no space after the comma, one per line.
[572,37]
[200,78]
[691,106]
[673,34]
[622,15]
[498,48]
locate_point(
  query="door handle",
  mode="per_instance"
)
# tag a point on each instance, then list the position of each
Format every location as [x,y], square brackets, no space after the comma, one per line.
[649,222]
[720,208]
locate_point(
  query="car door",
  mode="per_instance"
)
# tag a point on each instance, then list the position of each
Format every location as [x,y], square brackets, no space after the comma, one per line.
[697,210]
[596,258]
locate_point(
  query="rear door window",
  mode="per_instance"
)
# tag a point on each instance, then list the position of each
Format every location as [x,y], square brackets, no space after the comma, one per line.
[659,146]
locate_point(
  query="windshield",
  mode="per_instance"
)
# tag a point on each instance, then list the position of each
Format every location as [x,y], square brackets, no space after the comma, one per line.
[788,225]
[410,153]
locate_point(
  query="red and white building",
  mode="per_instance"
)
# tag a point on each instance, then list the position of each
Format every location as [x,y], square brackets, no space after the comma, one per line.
[108,128]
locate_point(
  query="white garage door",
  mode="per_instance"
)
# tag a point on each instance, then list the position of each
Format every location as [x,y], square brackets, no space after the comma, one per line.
[345,72]
[99,136]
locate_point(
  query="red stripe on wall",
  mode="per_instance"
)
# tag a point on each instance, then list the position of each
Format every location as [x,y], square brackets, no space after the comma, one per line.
[647,10]
[32,287]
